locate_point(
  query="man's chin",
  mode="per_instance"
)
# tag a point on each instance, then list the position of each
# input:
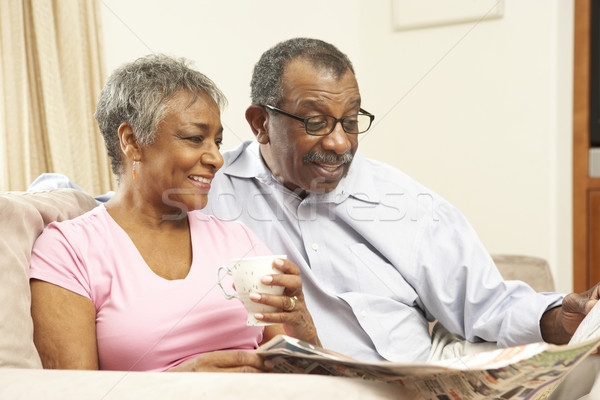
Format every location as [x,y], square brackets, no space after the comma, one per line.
[322,186]
[326,184]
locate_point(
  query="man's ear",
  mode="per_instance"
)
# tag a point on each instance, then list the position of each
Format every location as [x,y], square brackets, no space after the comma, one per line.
[129,144]
[258,119]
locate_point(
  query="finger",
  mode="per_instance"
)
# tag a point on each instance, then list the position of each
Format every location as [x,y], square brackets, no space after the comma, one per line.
[226,361]
[289,303]
[280,302]
[293,283]
[199,366]
[576,303]
[593,293]
[233,359]
[589,305]
[296,317]
[241,369]
[274,317]
[250,360]
[286,266]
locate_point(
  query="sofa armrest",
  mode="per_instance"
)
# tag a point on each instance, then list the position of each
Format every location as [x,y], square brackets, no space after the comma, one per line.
[23,216]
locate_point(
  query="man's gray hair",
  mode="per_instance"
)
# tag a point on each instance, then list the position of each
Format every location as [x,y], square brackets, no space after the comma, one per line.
[138,93]
[266,85]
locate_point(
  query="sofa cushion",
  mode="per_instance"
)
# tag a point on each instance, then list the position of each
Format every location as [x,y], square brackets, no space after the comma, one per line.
[534,271]
[23,216]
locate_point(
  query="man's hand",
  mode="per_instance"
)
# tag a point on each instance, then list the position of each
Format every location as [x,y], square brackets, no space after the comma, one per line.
[559,324]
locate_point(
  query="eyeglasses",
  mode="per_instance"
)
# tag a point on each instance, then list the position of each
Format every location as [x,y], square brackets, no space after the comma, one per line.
[321,125]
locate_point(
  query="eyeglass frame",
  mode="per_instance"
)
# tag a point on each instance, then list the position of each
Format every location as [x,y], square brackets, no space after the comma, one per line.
[305,119]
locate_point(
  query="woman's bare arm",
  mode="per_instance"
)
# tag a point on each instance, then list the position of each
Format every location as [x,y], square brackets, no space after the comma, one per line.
[64,327]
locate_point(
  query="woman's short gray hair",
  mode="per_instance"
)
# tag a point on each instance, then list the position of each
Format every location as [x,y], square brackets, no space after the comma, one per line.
[138,93]
[266,85]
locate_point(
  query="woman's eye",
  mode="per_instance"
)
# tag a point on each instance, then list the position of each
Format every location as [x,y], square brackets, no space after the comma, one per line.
[195,139]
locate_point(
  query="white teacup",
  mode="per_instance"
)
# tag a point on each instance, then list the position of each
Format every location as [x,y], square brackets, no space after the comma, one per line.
[247,273]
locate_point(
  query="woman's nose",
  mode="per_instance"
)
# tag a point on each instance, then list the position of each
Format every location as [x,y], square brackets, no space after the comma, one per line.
[213,158]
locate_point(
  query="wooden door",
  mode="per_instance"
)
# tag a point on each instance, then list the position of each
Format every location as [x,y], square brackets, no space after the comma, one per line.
[586,190]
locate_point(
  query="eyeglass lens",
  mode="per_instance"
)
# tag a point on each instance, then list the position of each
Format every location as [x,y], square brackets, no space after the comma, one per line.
[324,124]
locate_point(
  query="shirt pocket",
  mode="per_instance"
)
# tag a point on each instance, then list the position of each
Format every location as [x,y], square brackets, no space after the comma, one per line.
[372,274]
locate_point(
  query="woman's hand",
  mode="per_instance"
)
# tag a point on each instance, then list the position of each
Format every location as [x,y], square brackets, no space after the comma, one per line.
[293,314]
[225,361]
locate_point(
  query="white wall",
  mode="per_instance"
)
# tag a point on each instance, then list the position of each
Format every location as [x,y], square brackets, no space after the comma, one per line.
[224,38]
[481,113]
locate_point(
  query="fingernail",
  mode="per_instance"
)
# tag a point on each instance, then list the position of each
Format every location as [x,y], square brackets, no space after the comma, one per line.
[259,316]
[266,279]
[269,364]
[254,296]
[279,262]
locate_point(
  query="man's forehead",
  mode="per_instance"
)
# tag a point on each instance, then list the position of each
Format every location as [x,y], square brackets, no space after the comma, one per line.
[301,65]
[303,76]
[317,103]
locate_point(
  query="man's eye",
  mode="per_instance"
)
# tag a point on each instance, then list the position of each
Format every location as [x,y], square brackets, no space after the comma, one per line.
[219,143]
[316,123]
[351,122]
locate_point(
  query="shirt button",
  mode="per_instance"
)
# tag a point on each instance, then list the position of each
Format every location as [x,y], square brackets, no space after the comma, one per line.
[315,246]
[363,313]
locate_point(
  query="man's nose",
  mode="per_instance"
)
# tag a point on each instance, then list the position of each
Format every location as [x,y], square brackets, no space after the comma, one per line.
[337,140]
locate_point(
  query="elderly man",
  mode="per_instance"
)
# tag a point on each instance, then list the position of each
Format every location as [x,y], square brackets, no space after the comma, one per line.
[380,254]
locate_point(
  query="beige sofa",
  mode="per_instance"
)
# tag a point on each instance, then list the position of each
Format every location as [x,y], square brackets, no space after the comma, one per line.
[24,215]
[22,218]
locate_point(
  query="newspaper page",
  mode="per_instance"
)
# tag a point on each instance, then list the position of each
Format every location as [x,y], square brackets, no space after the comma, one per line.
[523,372]
[589,327]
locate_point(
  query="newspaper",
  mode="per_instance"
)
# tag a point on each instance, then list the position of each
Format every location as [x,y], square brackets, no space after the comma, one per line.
[589,327]
[524,372]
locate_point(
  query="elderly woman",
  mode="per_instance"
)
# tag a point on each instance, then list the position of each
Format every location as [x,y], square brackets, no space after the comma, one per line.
[131,284]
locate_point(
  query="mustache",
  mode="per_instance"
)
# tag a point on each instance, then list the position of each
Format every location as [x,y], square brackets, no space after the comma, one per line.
[328,158]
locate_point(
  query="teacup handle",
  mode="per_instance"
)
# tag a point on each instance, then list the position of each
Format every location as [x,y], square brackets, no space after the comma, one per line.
[227,272]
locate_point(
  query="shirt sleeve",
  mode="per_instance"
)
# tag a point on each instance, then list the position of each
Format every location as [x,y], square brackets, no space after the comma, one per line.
[464,290]
[55,260]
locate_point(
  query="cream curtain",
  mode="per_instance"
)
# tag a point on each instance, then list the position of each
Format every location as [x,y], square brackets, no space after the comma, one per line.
[51,70]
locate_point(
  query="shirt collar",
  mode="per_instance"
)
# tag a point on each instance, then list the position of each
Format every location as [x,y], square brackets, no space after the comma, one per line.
[358,183]
[246,162]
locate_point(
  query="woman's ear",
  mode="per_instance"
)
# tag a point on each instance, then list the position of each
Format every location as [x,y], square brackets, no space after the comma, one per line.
[129,144]
[258,118]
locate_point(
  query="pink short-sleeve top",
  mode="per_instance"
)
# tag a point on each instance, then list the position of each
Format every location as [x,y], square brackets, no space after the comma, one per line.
[145,322]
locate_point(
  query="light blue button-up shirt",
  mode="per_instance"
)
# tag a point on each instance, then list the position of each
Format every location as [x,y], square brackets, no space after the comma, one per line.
[380,256]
